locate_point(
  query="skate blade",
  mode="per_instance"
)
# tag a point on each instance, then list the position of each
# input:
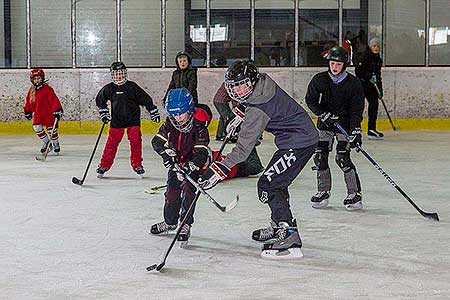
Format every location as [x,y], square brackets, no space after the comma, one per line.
[320,204]
[100,176]
[375,138]
[291,253]
[184,244]
[356,206]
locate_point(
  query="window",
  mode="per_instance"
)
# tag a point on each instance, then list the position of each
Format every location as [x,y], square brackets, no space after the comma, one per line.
[318,30]
[96,33]
[439,32]
[13,40]
[141,33]
[274,33]
[231,20]
[405,32]
[51,38]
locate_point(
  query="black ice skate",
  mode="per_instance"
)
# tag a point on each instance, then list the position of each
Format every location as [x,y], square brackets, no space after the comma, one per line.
[56,148]
[320,199]
[375,135]
[264,234]
[46,147]
[353,201]
[184,235]
[140,171]
[287,246]
[101,171]
[162,228]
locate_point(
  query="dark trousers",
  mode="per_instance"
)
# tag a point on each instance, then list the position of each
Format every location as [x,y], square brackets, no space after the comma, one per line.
[178,197]
[371,95]
[226,115]
[273,184]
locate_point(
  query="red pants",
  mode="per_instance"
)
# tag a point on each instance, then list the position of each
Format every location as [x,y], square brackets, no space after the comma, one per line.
[114,139]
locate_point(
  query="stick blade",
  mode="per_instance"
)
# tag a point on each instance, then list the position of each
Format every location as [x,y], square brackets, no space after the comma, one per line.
[431,216]
[152,267]
[77,181]
[232,204]
[41,158]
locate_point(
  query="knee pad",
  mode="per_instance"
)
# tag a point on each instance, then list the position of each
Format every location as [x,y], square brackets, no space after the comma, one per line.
[321,156]
[38,128]
[343,157]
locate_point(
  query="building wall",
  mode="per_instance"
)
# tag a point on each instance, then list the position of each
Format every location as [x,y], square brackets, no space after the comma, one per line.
[410,93]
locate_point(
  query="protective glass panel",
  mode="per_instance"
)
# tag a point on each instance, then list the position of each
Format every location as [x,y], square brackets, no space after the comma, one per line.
[440,32]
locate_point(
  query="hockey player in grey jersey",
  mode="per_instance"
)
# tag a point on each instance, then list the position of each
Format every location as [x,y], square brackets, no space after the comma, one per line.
[269,108]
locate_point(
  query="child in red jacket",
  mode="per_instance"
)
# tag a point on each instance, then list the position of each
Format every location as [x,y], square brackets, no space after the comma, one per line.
[43,102]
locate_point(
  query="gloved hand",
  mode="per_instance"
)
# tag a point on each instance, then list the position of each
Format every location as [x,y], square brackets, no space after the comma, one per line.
[154,115]
[380,94]
[373,79]
[29,115]
[170,158]
[233,126]
[355,138]
[190,167]
[215,173]
[58,114]
[104,115]
[328,119]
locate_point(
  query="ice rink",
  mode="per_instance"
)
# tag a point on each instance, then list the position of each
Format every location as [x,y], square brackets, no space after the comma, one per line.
[63,241]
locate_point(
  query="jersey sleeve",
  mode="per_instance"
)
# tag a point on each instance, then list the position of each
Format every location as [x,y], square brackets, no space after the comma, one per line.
[357,106]
[55,103]
[143,98]
[102,98]
[200,156]
[313,96]
[160,140]
[28,108]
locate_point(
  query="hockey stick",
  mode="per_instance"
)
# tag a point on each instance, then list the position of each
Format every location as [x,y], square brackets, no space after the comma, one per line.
[161,265]
[154,189]
[201,190]
[432,216]
[385,108]
[47,149]
[78,181]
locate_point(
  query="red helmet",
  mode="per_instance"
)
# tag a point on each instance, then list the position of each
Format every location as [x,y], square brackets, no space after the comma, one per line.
[37,72]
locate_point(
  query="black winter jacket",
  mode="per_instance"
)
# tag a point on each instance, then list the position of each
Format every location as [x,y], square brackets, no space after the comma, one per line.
[369,64]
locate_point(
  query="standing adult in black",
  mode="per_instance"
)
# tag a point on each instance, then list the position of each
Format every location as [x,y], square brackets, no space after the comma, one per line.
[368,71]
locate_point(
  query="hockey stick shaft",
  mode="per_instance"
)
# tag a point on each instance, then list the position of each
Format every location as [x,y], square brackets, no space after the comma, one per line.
[188,213]
[433,216]
[385,108]
[90,159]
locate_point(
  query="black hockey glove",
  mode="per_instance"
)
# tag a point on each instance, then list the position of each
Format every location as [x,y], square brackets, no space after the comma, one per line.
[170,158]
[328,119]
[154,115]
[355,138]
[189,167]
[29,115]
[215,173]
[233,126]
[58,114]
[104,115]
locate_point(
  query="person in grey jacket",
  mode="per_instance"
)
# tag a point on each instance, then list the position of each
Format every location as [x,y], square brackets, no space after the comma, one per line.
[270,108]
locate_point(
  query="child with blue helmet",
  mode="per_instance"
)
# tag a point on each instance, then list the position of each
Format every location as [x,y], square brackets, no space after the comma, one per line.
[183,139]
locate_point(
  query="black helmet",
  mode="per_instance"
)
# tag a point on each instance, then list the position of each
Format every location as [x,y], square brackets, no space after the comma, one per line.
[241,72]
[118,72]
[338,54]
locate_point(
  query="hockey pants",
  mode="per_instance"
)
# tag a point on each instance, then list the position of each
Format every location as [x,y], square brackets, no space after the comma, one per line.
[114,138]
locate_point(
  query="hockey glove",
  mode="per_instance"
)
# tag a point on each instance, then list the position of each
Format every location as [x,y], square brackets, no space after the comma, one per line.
[328,119]
[29,115]
[373,79]
[57,114]
[355,138]
[154,115]
[104,115]
[170,158]
[215,173]
[234,124]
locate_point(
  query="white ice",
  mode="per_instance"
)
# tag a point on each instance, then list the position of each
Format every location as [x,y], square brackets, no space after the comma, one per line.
[63,241]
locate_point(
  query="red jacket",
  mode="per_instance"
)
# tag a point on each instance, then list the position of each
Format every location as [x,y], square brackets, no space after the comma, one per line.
[43,106]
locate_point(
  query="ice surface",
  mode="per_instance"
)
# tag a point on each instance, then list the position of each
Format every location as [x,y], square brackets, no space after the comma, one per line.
[63,241]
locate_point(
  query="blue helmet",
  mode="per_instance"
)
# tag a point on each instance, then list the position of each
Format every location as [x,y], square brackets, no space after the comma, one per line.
[178,102]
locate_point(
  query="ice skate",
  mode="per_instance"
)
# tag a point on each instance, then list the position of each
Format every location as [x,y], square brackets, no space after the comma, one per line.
[184,235]
[320,199]
[56,148]
[353,201]
[264,234]
[375,135]
[101,171]
[46,147]
[140,171]
[287,246]
[162,228]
